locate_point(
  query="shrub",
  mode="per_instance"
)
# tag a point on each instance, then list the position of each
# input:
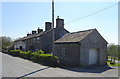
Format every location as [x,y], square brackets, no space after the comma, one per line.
[22,54]
[38,57]
[26,55]
[40,52]
[14,52]
[46,59]
[49,59]
[35,55]
[4,51]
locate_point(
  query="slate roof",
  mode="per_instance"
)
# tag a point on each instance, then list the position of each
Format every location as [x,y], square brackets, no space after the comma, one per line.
[35,35]
[32,35]
[75,36]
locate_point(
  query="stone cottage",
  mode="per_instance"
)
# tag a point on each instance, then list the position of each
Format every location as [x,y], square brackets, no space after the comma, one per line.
[81,48]
[41,40]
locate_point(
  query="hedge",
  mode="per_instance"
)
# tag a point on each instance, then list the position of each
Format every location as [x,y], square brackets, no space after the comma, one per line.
[38,57]
[46,59]
[26,55]
[40,52]
[14,52]
[37,53]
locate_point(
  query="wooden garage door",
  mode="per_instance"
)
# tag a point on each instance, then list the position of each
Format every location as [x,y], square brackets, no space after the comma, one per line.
[93,56]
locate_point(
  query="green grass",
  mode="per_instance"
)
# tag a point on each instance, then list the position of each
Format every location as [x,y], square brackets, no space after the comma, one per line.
[109,57]
[117,60]
[116,64]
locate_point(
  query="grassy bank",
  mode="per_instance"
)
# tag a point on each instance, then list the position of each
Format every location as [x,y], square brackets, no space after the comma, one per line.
[116,58]
[115,64]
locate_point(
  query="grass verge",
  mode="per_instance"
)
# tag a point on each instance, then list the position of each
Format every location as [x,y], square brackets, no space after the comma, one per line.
[115,64]
[116,58]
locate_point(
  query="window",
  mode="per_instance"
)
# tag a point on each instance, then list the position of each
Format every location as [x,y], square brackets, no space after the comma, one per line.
[24,41]
[63,51]
[28,41]
[38,39]
[34,40]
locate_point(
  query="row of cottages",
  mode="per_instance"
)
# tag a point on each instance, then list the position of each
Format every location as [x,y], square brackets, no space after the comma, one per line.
[41,40]
[81,48]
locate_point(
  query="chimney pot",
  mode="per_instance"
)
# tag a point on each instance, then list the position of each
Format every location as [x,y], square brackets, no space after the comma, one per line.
[39,30]
[33,32]
[28,34]
[57,16]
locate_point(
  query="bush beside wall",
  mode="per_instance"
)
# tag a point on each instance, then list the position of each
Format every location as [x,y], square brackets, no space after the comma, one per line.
[14,52]
[38,57]
[26,55]
[46,59]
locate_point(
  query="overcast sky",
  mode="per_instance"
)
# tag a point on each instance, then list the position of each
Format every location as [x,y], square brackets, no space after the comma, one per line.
[20,18]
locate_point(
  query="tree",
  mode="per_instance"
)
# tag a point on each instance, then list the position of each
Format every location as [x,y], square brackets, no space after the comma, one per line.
[119,52]
[113,51]
[5,42]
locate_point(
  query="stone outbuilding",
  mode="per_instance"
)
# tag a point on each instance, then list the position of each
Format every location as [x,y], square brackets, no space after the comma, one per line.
[81,48]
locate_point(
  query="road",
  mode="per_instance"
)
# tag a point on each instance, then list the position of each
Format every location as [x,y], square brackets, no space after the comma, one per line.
[18,67]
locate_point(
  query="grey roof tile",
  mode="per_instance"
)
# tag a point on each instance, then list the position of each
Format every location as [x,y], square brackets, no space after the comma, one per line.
[35,35]
[75,36]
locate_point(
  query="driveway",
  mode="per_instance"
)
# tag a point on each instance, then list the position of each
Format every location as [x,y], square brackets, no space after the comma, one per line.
[18,67]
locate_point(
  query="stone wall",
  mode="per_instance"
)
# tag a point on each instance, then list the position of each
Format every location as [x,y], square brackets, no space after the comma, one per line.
[68,53]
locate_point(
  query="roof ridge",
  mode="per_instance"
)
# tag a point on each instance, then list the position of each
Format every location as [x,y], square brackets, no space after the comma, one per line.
[83,31]
[34,35]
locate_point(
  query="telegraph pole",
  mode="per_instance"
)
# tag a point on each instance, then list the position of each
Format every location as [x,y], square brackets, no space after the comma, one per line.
[53,14]
[53,34]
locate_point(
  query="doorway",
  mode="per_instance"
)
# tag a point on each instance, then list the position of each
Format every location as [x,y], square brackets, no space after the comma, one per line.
[93,56]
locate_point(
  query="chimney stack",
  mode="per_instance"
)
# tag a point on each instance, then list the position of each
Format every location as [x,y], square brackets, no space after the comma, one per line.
[39,30]
[33,32]
[59,22]
[28,34]
[48,26]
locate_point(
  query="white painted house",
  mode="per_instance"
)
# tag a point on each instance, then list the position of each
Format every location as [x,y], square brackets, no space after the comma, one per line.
[19,45]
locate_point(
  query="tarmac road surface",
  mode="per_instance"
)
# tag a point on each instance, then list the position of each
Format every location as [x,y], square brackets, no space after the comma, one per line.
[18,67]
